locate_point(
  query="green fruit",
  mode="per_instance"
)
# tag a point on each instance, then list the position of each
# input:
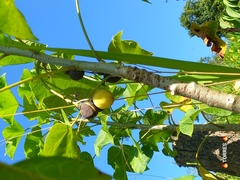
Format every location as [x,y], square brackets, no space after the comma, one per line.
[103,99]
[76,74]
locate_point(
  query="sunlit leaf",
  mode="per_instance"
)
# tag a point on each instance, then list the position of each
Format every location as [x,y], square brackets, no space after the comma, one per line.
[136,92]
[61,141]
[13,22]
[186,123]
[126,46]
[104,138]
[233,13]
[12,135]
[32,145]
[180,102]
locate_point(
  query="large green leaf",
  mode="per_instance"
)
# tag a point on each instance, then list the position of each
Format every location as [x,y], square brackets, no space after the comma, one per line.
[60,168]
[13,22]
[61,141]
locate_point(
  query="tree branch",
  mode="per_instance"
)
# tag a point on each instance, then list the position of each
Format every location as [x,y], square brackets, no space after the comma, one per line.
[191,90]
[197,127]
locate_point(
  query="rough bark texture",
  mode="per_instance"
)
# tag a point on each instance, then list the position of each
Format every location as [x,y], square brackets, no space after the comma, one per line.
[212,153]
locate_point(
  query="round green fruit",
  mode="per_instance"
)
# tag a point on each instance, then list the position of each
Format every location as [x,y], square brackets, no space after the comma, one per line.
[103,99]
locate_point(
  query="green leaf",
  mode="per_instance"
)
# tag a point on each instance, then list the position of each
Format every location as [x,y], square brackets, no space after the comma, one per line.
[123,115]
[12,135]
[61,141]
[86,156]
[85,131]
[139,160]
[126,46]
[152,138]
[147,1]
[119,160]
[31,106]
[32,145]
[232,13]
[104,138]
[154,117]
[167,150]
[8,106]
[62,168]
[185,177]
[186,123]
[65,118]
[136,92]
[217,112]
[13,22]
[230,4]
[24,89]
[8,103]
[11,172]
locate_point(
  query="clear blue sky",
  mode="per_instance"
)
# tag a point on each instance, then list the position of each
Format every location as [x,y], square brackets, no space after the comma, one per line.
[155,27]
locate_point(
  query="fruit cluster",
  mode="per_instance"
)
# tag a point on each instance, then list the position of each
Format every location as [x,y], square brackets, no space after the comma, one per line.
[101,100]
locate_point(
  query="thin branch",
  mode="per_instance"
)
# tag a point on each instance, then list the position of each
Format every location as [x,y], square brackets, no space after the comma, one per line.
[191,90]
[85,32]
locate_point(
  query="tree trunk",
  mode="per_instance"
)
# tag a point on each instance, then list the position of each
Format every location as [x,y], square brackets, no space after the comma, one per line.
[219,148]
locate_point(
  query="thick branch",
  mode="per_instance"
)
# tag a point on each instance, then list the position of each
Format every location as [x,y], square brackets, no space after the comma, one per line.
[190,90]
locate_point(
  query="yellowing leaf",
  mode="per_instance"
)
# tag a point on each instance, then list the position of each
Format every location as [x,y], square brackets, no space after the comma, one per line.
[180,102]
[13,22]
[208,33]
[205,174]
[237,85]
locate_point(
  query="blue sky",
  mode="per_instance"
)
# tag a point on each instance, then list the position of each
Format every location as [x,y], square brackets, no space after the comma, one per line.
[156,27]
